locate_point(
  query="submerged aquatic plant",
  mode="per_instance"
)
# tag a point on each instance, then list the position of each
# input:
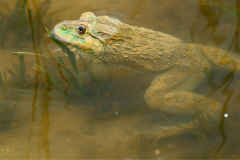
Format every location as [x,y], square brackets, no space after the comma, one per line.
[97,94]
[10,92]
[20,21]
[18,74]
[231,11]
[25,24]
[98,90]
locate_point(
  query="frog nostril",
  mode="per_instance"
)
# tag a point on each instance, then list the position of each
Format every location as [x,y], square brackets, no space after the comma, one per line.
[64,27]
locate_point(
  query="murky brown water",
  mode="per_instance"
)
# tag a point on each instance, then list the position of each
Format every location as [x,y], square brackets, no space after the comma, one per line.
[39,121]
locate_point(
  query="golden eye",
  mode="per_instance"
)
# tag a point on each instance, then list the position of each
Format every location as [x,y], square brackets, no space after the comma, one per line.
[82,29]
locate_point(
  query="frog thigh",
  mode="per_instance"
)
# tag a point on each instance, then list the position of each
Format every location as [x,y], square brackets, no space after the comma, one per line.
[171,92]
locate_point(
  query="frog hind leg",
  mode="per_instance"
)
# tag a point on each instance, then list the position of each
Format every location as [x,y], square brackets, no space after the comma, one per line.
[225,59]
[171,92]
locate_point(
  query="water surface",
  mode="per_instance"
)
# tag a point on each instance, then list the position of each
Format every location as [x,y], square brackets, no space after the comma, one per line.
[40,121]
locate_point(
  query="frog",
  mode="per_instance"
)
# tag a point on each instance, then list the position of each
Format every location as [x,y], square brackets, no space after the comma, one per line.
[178,67]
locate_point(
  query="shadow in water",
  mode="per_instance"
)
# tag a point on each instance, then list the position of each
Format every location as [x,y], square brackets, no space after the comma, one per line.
[213,11]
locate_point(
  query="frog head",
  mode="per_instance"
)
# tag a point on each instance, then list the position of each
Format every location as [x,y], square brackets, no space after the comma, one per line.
[89,33]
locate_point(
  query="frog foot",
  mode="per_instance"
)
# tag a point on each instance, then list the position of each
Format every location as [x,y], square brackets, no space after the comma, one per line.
[166,132]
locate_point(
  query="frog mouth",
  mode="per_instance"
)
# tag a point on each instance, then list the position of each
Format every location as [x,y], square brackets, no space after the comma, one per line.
[63,34]
[61,39]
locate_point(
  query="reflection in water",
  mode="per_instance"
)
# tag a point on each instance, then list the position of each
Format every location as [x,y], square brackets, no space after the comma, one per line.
[45,122]
[235,39]
[213,11]
[95,120]
[19,18]
[44,106]
[222,128]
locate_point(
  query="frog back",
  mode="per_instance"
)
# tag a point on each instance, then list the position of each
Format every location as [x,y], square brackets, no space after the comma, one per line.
[145,50]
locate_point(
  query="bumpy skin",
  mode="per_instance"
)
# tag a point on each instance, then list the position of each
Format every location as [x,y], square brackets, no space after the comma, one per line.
[179,67]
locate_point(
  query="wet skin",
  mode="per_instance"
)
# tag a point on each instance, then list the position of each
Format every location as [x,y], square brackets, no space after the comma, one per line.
[179,67]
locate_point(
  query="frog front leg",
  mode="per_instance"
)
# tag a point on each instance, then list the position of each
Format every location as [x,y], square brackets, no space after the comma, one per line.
[95,68]
[171,92]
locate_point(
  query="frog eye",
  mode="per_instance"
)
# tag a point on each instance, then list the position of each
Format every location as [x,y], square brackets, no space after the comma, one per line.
[82,29]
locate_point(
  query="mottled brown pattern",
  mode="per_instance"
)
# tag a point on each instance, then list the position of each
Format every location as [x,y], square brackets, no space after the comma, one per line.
[179,67]
[149,51]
